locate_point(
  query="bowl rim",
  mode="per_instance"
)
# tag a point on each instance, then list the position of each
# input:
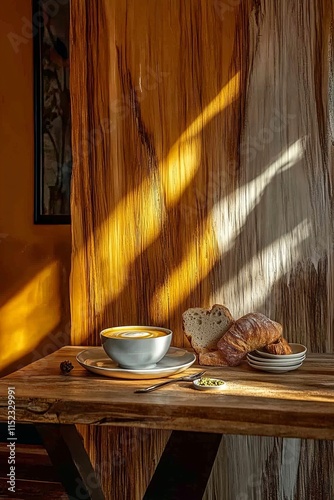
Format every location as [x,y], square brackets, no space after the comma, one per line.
[167,331]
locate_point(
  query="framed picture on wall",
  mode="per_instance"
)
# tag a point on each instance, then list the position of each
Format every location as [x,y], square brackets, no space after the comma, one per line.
[53,158]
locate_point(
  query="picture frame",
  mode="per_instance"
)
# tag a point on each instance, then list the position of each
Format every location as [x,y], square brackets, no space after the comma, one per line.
[52,113]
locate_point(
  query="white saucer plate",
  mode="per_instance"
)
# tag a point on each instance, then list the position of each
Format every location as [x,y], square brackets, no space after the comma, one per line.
[275,369]
[96,361]
[297,351]
[283,361]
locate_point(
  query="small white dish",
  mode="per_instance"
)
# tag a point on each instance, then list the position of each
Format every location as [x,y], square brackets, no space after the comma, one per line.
[275,369]
[96,361]
[297,351]
[199,387]
[274,362]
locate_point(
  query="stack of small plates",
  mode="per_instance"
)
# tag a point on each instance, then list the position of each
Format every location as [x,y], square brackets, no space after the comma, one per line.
[277,363]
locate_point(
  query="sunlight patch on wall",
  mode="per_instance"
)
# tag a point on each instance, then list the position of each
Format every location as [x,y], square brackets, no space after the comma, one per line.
[30,315]
[246,197]
[254,281]
[260,267]
[138,219]
[189,274]
[186,277]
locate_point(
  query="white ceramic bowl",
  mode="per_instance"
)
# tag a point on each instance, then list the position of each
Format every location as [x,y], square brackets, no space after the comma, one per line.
[137,348]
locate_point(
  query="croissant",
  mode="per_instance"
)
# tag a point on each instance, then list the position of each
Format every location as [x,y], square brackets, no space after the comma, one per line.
[250,332]
[281,346]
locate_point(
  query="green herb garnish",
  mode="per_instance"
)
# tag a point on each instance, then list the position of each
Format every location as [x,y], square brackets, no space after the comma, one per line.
[210,381]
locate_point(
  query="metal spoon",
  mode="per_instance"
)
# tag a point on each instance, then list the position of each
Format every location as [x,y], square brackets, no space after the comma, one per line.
[188,378]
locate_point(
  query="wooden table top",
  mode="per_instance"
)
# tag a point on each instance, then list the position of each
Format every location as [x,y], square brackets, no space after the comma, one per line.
[294,404]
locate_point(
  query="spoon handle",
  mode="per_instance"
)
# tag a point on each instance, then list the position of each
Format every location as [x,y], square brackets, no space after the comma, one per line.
[156,386]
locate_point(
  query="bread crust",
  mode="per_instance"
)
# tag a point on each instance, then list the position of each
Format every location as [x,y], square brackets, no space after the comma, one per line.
[252,331]
[213,358]
[225,310]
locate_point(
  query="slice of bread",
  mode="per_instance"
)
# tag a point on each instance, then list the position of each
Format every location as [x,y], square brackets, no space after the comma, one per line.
[212,358]
[204,327]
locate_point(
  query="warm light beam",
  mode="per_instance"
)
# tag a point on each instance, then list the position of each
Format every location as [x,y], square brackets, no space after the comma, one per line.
[137,220]
[196,264]
[179,168]
[33,309]
[258,275]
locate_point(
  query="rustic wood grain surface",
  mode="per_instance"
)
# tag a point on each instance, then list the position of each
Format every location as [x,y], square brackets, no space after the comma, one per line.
[202,146]
[145,115]
[295,404]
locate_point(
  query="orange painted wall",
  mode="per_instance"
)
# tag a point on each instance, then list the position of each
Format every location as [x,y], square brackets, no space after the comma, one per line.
[34,260]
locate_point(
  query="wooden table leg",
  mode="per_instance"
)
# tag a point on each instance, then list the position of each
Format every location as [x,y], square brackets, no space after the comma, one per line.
[185,466]
[68,455]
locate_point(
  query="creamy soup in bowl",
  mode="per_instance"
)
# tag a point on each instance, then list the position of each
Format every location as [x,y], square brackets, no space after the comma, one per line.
[135,334]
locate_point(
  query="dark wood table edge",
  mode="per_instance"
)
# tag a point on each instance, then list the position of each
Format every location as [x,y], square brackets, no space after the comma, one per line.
[182,472]
[323,430]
